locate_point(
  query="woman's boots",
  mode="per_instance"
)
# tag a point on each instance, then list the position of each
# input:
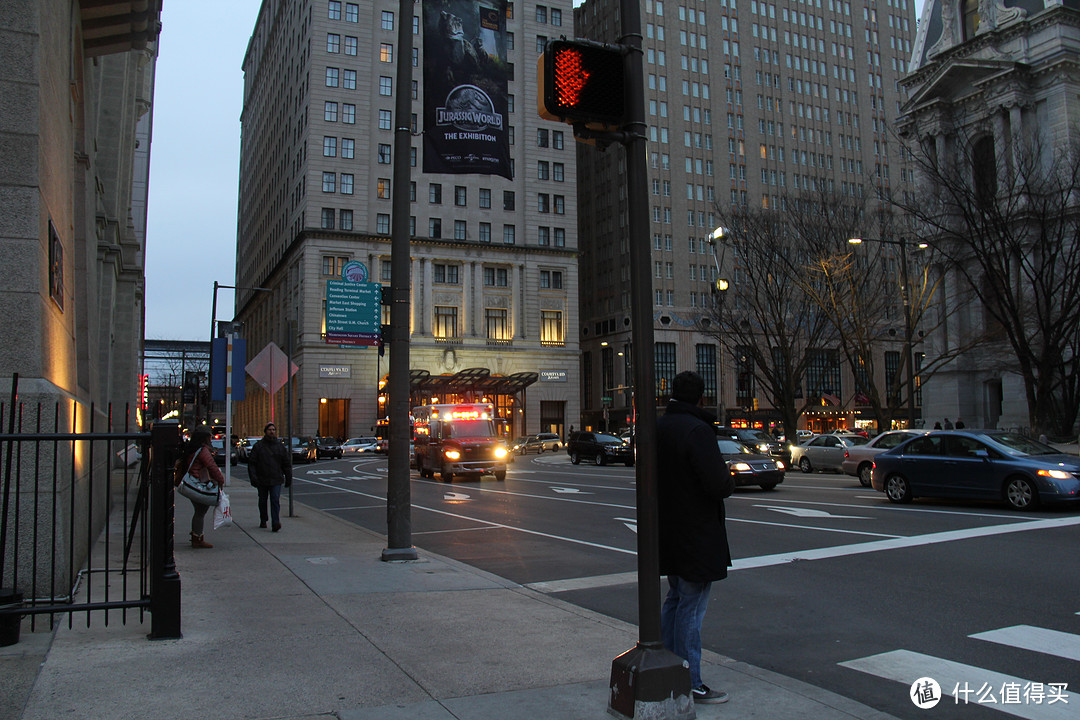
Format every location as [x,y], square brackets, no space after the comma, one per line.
[198,542]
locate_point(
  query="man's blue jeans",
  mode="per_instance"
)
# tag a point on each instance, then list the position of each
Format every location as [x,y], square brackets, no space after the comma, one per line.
[680,621]
[274,494]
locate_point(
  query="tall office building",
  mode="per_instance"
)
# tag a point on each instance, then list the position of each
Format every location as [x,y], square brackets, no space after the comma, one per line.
[494,272]
[748,103]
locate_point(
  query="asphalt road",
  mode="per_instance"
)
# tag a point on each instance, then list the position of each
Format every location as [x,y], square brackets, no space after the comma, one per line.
[832,584]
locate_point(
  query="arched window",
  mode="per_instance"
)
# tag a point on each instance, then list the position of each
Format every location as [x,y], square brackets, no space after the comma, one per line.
[984,171]
[969,16]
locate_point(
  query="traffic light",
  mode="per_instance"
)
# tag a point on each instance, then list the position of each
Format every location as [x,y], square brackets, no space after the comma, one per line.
[582,81]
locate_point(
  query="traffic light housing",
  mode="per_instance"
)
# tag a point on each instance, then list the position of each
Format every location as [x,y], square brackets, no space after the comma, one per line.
[581,81]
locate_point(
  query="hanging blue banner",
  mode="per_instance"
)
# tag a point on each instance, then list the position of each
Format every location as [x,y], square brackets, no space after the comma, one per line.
[466,75]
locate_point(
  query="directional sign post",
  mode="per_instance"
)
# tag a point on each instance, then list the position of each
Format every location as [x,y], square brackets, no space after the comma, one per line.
[353,313]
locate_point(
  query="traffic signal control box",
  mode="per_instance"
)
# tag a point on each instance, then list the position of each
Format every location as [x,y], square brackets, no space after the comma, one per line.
[581,81]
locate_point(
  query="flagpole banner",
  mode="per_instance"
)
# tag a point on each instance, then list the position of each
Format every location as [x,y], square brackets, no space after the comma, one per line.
[465,88]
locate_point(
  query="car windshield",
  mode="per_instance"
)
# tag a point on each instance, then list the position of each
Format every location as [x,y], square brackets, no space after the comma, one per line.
[731,447]
[607,439]
[758,435]
[1018,445]
[219,444]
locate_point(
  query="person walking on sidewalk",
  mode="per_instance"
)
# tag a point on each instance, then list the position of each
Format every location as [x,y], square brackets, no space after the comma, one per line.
[197,459]
[270,467]
[693,539]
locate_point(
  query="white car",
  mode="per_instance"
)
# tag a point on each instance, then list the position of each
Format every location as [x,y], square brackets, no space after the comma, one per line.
[859,459]
[823,452]
[359,445]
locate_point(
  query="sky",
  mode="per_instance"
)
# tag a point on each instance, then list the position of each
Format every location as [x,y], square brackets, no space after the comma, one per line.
[194,165]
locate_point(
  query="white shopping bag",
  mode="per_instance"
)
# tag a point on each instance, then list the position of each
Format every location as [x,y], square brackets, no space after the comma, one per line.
[222,513]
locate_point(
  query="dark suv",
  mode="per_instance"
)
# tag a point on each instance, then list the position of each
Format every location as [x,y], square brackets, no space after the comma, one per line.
[599,448]
[758,441]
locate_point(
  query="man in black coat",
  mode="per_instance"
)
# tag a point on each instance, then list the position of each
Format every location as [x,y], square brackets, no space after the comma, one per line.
[270,467]
[694,480]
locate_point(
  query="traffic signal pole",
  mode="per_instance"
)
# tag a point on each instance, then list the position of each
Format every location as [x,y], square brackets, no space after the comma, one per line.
[647,681]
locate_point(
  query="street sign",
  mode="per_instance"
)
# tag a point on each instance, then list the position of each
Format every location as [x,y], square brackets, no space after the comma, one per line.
[353,312]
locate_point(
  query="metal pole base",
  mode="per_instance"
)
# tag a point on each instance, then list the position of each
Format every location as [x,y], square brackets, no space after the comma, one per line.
[398,554]
[650,683]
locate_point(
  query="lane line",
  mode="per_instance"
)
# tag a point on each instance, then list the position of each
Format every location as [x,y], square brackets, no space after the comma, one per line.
[811,527]
[584,583]
[1042,640]
[905,666]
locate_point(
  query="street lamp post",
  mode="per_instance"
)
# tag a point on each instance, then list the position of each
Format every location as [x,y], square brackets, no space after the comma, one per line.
[719,289]
[909,355]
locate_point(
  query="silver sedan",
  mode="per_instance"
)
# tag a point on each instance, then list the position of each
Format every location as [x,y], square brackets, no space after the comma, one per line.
[823,452]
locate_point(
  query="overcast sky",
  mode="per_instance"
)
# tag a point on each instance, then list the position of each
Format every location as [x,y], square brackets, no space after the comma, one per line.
[194,164]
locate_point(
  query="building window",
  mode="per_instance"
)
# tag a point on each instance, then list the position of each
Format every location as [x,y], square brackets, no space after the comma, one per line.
[508,199]
[328,218]
[542,137]
[386,85]
[551,279]
[334,10]
[556,16]
[485,232]
[330,112]
[823,374]
[329,147]
[664,354]
[382,188]
[333,43]
[352,12]
[348,148]
[332,264]
[445,322]
[385,120]
[332,77]
[382,224]
[543,202]
[346,220]
[543,170]
[348,113]
[706,368]
[495,322]
[543,235]
[434,227]
[460,195]
[560,204]
[560,237]
[350,45]
[557,139]
[329,182]
[485,197]
[496,277]
[386,53]
[558,172]
[435,193]
[384,154]
[447,274]
[551,327]
[460,230]
[508,234]
[346,184]
[387,20]
[349,80]
[541,14]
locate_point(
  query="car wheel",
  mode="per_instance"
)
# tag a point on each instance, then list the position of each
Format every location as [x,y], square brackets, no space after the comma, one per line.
[768,486]
[427,473]
[446,476]
[1021,494]
[540,451]
[897,489]
[500,475]
[601,459]
[575,458]
[804,464]
[864,474]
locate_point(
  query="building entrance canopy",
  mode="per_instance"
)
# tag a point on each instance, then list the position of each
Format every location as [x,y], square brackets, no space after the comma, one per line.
[472,383]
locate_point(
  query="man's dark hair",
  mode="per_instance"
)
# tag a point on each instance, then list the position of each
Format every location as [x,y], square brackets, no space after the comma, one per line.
[688,387]
[267,426]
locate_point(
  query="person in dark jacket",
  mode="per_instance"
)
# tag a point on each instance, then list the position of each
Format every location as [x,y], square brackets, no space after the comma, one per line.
[694,552]
[270,467]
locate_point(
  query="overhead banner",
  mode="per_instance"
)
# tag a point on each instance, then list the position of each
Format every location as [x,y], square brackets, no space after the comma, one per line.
[465,88]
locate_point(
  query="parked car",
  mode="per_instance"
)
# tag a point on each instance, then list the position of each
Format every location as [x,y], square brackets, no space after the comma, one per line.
[304,450]
[217,448]
[359,445]
[758,441]
[599,448]
[859,459]
[243,448]
[750,468]
[823,452]
[978,465]
[328,447]
[539,443]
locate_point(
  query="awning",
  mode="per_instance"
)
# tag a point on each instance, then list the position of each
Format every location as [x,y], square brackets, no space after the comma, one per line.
[470,381]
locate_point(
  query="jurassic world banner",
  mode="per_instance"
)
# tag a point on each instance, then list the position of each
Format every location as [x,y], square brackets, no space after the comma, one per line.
[465,87]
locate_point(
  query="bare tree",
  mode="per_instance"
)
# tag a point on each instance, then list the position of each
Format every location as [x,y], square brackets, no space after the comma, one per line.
[1010,229]
[765,314]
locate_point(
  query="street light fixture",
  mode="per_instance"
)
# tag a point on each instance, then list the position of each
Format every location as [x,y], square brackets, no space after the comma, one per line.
[909,355]
[719,288]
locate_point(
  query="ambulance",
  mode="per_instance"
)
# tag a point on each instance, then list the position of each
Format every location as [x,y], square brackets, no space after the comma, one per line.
[458,439]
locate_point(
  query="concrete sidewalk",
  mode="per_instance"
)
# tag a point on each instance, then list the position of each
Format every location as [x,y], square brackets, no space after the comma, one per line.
[309,622]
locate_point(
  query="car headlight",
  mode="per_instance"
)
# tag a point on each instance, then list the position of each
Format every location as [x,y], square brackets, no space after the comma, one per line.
[1056,474]
[500,451]
[740,467]
[452,454]
[780,465]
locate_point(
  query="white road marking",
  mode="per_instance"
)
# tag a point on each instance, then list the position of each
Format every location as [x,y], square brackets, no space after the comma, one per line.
[456,496]
[585,583]
[630,523]
[905,666]
[570,491]
[1028,637]
[322,472]
[812,527]
[810,512]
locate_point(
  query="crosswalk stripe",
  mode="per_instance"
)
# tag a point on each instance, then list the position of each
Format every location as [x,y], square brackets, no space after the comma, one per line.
[906,667]
[1027,637]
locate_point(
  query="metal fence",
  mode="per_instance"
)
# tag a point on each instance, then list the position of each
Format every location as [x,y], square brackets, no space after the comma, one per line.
[86,519]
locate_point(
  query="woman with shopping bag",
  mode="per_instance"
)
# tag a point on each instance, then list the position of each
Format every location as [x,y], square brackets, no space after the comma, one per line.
[196,468]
